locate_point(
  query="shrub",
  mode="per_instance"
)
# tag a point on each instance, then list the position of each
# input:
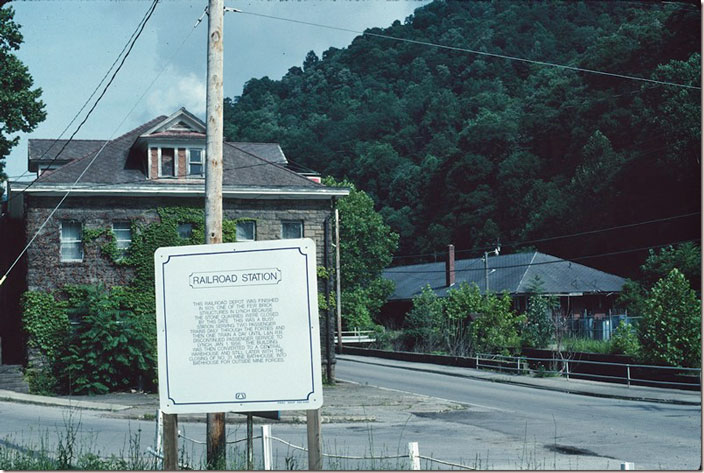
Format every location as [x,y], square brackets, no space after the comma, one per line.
[538,328]
[112,348]
[496,329]
[423,322]
[669,331]
[625,341]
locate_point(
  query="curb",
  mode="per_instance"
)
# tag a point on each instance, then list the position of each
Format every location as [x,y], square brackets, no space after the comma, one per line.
[568,390]
[54,401]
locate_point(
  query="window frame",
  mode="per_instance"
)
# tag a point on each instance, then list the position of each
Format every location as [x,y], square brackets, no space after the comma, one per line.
[300,224]
[190,163]
[183,225]
[65,242]
[122,251]
[251,222]
[160,161]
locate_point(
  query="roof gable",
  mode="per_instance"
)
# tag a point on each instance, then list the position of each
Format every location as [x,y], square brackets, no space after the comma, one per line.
[180,122]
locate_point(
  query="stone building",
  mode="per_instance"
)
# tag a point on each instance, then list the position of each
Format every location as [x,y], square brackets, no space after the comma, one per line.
[118,183]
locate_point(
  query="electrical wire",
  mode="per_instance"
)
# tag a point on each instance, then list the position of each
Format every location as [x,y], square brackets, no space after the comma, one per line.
[560,260]
[477,52]
[558,237]
[128,47]
[41,227]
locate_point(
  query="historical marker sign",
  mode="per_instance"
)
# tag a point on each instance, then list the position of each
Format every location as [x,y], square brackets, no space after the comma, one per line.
[237,327]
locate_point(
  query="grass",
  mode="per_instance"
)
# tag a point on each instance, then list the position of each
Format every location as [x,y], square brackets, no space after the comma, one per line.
[586,345]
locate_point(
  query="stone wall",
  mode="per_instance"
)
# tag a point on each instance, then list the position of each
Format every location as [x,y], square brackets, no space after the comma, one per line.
[45,270]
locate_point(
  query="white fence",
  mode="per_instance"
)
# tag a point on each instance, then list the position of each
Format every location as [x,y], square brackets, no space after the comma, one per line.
[357,336]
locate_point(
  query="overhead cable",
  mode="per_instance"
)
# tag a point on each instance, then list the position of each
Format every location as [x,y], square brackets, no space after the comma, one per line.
[477,52]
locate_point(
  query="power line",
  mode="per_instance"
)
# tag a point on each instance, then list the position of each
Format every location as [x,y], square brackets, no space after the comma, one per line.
[560,260]
[559,237]
[474,51]
[128,46]
[41,227]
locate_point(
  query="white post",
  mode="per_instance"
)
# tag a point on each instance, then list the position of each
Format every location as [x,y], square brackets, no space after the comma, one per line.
[567,369]
[414,455]
[266,446]
[628,466]
[158,447]
[628,374]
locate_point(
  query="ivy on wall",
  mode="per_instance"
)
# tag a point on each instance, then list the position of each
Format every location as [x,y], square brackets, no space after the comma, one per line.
[76,359]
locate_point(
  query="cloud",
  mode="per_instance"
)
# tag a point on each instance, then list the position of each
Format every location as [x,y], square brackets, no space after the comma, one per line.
[174,91]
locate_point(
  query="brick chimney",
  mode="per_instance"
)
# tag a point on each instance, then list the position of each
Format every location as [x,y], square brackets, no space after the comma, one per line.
[450,266]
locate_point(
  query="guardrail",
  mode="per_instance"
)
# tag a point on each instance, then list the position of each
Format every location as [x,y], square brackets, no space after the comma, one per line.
[357,336]
[568,367]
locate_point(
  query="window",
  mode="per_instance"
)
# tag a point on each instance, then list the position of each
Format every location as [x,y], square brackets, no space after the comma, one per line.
[71,241]
[246,230]
[195,162]
[185,230]
[168,166]
[123,236]
[292,229]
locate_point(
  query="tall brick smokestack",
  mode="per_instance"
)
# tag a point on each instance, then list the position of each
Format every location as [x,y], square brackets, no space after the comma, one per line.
[450,266]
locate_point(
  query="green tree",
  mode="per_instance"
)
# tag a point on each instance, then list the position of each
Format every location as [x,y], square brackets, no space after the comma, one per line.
[367,245]
[462,304]
[686,257]
[496,330]
[670,330]
[21,110]
[422,324]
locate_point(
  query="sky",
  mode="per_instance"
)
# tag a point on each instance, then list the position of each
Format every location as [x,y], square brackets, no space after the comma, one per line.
[70,45]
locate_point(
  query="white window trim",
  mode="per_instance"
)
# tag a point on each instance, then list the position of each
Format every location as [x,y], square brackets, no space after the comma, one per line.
[188,162]
[117,240]
[63,241]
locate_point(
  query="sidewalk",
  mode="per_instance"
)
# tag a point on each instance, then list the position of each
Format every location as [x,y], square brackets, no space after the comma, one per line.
[350,402]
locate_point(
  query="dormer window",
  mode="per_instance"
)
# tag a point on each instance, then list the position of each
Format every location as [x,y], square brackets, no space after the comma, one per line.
[167,162]
[195,162]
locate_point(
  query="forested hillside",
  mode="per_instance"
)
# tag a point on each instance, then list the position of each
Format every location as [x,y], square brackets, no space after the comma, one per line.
[459,147]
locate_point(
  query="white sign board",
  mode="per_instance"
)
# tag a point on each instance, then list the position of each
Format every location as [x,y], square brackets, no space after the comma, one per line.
[237,327]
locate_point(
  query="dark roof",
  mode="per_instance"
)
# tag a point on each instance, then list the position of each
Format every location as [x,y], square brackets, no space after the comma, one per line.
[515,274]
[244,164]
[45,150]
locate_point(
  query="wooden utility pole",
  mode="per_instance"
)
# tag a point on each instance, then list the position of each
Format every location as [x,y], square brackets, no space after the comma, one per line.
[215,426]
[170,422]
[315,441]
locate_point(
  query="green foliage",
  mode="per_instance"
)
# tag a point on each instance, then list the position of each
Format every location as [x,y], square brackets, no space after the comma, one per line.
[624,341]
[21,109]
[45,322]
[497,329]
[686,257]
[670,330]
[463,148]
[586,345]
[112,347]
[366,248]
[538,329]
[424,322]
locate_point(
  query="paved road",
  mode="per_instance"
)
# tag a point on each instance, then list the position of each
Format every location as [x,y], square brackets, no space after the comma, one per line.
[497,426]
[653,436]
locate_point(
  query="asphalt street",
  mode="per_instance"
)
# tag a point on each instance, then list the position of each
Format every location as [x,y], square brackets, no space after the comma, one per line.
[456,415]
